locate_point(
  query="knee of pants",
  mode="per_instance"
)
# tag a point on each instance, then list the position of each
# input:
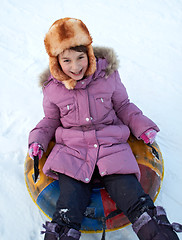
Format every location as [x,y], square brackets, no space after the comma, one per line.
[72,190]
[123,186]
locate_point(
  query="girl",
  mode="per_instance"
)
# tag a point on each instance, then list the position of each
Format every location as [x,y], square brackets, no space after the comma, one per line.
[88,112]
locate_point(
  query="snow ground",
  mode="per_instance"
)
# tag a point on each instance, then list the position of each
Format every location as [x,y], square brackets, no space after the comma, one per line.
[147,37]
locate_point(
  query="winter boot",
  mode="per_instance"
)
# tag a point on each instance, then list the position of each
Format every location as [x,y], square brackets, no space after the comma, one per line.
[154,225]
[53,231]
[69,234]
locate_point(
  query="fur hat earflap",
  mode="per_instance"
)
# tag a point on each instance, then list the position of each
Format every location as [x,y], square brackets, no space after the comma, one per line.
[64,34]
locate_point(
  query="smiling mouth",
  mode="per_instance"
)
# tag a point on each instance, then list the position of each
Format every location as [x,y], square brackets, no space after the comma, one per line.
[77,74]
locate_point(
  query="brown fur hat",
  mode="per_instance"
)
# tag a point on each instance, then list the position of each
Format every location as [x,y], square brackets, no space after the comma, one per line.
[64,34]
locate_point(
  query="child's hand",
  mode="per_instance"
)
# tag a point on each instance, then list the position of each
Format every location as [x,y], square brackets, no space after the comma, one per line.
[149,136]
[35,149]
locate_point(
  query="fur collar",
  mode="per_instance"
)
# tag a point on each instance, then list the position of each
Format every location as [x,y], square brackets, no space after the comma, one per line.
[99,52]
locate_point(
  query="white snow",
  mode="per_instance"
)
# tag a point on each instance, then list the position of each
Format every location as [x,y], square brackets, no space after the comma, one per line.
[147,36]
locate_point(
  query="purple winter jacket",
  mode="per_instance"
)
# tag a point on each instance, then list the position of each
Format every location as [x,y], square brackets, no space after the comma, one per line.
[91,124]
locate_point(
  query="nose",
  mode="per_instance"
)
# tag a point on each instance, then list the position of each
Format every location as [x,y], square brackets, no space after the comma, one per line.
[75,66]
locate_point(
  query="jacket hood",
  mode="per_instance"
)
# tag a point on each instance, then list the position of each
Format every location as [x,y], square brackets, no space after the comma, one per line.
[100,52]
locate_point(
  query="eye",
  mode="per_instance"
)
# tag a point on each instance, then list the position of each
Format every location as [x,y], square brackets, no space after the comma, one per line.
[66,61]
[81,57]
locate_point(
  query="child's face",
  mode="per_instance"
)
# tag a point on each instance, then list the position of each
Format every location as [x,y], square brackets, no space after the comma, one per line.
[74,64]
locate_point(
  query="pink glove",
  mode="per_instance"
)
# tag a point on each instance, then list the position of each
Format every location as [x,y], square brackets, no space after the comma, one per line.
[35,149]
[149,136]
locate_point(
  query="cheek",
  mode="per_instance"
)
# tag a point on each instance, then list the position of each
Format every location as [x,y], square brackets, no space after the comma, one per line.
[64,67]
[85,63]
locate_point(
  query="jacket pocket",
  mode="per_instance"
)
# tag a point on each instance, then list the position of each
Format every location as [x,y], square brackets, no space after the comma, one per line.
[103,105]
[68,108]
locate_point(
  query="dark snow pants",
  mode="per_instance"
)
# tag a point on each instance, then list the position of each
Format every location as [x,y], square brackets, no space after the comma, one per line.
[125,190]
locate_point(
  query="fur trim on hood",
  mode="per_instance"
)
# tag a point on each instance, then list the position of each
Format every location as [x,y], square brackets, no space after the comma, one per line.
[64,34]
[110,56]
[99,52]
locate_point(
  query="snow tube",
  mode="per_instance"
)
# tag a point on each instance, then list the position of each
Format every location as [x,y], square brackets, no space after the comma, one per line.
[46,190]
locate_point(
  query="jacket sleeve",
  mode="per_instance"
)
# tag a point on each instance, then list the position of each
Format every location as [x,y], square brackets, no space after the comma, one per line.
[128,112]
[45,129]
